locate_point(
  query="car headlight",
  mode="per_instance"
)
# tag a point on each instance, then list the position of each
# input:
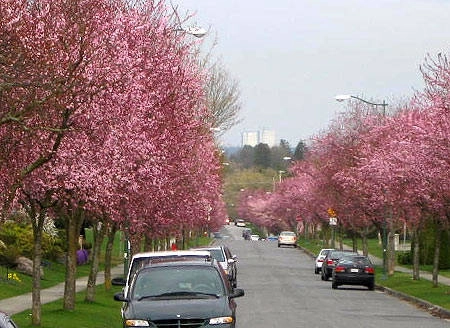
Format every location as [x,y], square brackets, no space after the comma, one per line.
[136,323]
[220,320]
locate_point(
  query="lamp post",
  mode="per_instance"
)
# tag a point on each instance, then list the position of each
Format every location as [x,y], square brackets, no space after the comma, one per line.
[341,98]
[346,97]
[196,31]
[280,174]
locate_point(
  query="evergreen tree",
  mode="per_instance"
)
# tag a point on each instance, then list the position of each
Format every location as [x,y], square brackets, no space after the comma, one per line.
[262,155]
[300,151]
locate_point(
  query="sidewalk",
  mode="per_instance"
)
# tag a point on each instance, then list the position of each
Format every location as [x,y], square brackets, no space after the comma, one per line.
[21,303]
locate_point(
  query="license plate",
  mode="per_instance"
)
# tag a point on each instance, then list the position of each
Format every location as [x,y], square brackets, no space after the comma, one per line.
[354,270]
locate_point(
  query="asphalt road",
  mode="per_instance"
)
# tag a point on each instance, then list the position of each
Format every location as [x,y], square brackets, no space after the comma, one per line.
[281,290]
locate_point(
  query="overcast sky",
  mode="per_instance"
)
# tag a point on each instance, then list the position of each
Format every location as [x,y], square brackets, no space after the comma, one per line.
[292,57]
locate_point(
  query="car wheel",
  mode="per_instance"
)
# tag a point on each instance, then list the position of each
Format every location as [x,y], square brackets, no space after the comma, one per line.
[278,245]
[334,285]
[371,286]
[295,246]
[316,271]
[325,277]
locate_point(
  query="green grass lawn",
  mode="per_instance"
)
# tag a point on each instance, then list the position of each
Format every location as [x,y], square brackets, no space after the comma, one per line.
[54,273]
[103,313]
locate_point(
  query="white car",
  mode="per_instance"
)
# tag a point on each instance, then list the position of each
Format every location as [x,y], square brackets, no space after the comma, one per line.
[288,238]
[140,260]
[227,260]
[254,237]
[240,223]
[319,259]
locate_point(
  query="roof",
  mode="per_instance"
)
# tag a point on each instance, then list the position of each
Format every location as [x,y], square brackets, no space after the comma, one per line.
[186,253]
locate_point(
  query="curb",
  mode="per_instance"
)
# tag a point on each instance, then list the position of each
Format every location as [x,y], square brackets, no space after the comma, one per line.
[431,308]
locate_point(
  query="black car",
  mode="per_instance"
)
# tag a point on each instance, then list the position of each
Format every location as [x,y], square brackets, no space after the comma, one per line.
[354,270]
[6,321]
[180,294]
[330,261]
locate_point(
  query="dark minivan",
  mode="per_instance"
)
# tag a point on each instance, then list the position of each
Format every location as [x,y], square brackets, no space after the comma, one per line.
[180,294]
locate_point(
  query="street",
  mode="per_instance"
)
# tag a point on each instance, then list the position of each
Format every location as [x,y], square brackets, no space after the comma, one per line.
[281,290]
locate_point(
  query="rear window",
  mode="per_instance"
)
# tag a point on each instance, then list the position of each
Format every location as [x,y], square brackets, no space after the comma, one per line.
[339,254]
[217,254]
[287,233]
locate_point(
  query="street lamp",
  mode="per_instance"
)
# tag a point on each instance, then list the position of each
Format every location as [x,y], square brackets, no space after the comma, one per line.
[198,32]
[280,173]
[341,98]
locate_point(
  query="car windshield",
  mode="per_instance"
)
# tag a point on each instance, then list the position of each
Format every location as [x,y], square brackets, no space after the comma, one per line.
[175,281]
[140,262]
[287,234]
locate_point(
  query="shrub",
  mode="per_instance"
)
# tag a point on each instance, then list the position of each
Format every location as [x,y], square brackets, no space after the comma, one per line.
[404,258]
[18,241]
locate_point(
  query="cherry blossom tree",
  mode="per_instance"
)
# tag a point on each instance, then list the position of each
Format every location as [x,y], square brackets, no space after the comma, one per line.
[133,146]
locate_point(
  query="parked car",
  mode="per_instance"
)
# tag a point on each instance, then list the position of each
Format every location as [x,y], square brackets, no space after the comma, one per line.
[246,233]
[330,261]
[272,238]
[240,223]
[255,237]
[288,238]
[319,259]
[141,260]
[227,260]
[354,270]
[6,321]
[180,294]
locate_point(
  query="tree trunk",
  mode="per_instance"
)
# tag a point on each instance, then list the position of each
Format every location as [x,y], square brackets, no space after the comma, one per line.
[73,226]
[354,242]
[391,252]
[416,254]
[365,243]
[37,259]
[99,234]
[437,249]
[108,255]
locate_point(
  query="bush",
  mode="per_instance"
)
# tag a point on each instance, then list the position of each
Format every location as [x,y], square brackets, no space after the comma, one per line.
[18,241]
[404,258]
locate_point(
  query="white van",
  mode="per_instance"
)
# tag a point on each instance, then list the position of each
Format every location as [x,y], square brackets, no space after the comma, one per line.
[140,260]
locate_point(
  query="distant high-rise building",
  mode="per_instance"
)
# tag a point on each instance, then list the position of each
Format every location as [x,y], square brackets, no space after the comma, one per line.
[268,137]
[252,138]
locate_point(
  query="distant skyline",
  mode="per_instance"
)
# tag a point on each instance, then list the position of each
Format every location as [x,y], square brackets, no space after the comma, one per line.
[292,57]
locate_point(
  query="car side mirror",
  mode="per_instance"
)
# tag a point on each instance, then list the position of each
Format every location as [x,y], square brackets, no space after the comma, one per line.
[234,257]
[237,292]
[118,281]
[120,297]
